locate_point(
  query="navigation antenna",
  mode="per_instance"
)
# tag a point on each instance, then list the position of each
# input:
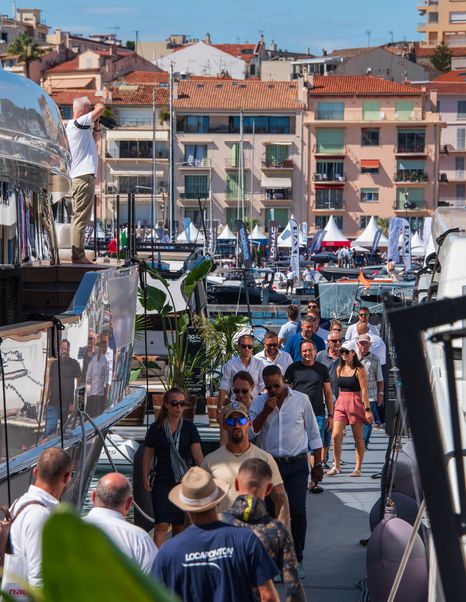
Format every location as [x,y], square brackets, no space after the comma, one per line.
[368,34]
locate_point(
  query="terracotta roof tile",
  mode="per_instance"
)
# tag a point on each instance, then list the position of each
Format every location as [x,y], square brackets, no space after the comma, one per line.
[244,52]
[423,51]
[145,77]
[73,64]
[133,94]
[364,85]
[66,97]
[452,76]
[237,94]
[456,88]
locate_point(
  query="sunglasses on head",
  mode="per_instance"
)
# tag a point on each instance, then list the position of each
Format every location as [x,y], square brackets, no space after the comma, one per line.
[241,420]
[242,391]
[175,403]
[246,346]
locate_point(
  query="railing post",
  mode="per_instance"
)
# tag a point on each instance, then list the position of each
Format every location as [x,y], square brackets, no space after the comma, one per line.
[96,248]
[118,226]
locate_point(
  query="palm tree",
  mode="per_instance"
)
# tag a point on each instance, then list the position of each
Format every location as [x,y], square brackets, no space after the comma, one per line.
[27,50]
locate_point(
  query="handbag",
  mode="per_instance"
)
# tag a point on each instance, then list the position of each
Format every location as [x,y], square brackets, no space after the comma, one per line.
[15,577]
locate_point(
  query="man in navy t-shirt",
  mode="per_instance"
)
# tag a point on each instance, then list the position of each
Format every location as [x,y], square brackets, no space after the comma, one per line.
[309,327]
[211,560]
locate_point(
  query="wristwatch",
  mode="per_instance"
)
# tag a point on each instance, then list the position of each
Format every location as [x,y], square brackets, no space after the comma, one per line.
[367,410]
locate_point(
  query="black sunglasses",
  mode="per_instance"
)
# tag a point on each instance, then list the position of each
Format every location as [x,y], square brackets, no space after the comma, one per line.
[271,345]
[238,391]
[175,403]
[241,420]
[345,351]
[364,315]
[246,346]
[335,340]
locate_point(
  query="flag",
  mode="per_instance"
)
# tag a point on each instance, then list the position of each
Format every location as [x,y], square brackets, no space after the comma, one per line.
[406,244]
[363,280]
[316,242]
[375,242]
[294,258]
[243,241]
[393,236]
[273,241]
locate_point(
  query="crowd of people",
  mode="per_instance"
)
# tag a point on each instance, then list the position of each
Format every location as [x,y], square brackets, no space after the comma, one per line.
[237,515]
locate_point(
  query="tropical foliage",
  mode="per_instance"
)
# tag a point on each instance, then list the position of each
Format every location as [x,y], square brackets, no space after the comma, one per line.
[27,50]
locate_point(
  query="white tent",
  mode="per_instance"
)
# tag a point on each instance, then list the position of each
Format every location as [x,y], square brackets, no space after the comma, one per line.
[257,234]
[366,238]
[284,240]
[333,235]
[417,246]
[226,234]
[190,234]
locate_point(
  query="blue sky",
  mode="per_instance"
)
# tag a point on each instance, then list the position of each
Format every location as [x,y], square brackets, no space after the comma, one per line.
[297,25]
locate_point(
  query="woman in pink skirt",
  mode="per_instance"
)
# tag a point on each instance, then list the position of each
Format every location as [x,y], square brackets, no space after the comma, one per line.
[352,407]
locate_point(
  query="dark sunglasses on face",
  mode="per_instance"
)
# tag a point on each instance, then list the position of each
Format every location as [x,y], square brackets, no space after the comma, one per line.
[246,346]
[344,351]
[238,391]
[271,345]
[364,315]
[242,421]
[175,403]
[335,340]
[312,307]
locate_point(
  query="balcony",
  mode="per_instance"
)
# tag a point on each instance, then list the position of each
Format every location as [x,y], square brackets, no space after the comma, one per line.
[196,164]
[329,205]
[409,206]
[407,176]
[411,149]
[278,194]
[360,115]
[193,196]
[273,164]
[234,164]
[329,178]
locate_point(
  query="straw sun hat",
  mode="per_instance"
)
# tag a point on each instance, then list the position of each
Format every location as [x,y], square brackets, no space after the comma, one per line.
[198,491]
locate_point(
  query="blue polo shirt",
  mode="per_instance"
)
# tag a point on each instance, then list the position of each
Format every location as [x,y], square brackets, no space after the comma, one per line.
[293,347]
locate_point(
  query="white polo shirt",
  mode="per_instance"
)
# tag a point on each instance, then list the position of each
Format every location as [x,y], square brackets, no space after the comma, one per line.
[282,359]
[290,430]
[132,540]
[84,157]
[235,365]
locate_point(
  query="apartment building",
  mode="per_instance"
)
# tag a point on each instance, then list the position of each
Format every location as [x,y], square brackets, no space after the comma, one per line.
[374,150]
[239,146]
[26,21]
[443,20]
[448,98]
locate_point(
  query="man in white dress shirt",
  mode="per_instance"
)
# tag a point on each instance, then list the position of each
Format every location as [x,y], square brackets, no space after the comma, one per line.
[243,361]
[363,317]
[53,473]
[272,355]
[112,501]
[286,428]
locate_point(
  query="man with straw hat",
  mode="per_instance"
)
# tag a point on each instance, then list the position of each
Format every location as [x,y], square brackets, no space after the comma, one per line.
[211,560]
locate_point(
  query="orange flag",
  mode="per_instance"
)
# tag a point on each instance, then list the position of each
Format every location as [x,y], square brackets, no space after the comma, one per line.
[363,280]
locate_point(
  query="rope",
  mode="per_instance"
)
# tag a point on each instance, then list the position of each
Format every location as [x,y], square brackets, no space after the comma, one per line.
[7,451]
[407,553]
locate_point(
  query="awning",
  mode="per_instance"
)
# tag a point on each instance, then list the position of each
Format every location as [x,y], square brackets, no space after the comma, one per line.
[370,163]
[133,134]
[269,182]
[319,185]
[197,140]
[279,143]
[72,83]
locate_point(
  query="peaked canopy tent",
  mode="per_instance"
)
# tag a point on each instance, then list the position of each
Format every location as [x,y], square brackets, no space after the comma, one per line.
[191,234]
[226,234]
[366,238]
[284,240]
[334,236]
[417,246]
[257,234]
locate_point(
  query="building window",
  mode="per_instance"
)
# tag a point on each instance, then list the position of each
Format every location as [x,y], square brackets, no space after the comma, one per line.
[408,170]
[276,155]
[331,111]
[234,186]
[196,186]
[458,17]
[369,195]
[196,155]
[330,141]
[135,149]
[232,214]
[461,109]
[321,221]
[371,110]
[459,168]
[365,219]
[194,215]
[409,196]
[404,110]
[277,214]
[193,124]
[329,170]
[411,141]
[461,139]
[372,170]
[329,198]
[261,124]
[370,137]
[460,192]
[433,17]
[133,184]
[66,111]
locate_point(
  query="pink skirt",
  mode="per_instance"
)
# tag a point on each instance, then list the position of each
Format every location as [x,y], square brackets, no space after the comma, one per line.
[349,408]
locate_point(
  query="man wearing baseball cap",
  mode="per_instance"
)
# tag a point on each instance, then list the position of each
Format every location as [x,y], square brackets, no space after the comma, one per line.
[211,560]
[224,462]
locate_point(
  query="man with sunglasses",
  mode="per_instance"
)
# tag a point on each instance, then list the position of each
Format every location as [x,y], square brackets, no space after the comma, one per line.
[243,361]
[286,428]
[224,462]
[363,317]
[272,355]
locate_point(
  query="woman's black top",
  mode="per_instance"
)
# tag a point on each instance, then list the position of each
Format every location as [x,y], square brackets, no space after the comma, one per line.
[157,439]
[349,384]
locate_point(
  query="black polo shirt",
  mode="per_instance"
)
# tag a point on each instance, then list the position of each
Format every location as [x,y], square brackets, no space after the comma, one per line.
[309,380]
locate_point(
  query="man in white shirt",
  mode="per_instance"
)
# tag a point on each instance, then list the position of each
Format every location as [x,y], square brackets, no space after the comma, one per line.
[290,327]
[378,347]
[243,361]
[31,510]
[82,132]
[287,428]
[112,501]
[272,355]
[363,318]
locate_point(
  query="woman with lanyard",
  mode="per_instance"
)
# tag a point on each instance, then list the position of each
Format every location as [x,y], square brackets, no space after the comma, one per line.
[171,445]
[352,407]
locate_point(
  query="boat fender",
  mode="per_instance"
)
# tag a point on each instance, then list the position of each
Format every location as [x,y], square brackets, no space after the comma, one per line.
[384,553]
[407,479]
[141,496]
[405,508]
